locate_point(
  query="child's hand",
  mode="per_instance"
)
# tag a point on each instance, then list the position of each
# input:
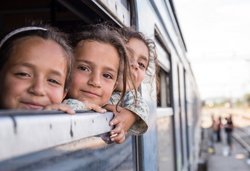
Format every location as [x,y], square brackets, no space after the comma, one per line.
[118,134]
[61,107]
[94,107]
[122,121]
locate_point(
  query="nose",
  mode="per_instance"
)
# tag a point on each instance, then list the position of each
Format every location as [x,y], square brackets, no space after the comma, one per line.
[134,65]
[95,80]
[37,87]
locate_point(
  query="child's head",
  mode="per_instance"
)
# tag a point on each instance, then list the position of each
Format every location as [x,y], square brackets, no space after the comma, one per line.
[35,66]
[141,52]
[99,54]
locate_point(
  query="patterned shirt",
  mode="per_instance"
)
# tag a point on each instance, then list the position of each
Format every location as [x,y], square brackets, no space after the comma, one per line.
[131,102]
[134,103]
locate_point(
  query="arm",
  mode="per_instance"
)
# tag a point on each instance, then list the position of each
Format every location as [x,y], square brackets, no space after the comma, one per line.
[122,121]
[133,117]
[139,108]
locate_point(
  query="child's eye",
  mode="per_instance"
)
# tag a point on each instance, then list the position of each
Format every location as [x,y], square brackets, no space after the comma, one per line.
[83,68]
[53,81]
[108,76]
[22,74]
[142,65]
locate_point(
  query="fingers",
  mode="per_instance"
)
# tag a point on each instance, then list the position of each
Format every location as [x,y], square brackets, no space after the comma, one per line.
[61,107]
[117,135]
[118,138]
[118,128]
[95,107]
[114,121]
[112,108]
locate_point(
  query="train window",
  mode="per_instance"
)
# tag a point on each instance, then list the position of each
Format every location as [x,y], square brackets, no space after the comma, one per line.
[164,120]
[164,79]
[16,14]
[163,97]
[65,14]
[119,9]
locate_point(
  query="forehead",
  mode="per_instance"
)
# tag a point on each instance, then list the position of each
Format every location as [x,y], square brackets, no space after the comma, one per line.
[28,42]
[138,47]
[37,49]
[103,54]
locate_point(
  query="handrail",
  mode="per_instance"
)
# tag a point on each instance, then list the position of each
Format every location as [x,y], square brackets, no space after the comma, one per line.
[26,132]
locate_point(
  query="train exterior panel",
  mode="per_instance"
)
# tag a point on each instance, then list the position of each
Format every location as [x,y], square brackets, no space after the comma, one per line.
[72,142]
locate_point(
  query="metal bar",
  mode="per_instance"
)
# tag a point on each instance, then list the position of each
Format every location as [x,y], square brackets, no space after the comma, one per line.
[24,134]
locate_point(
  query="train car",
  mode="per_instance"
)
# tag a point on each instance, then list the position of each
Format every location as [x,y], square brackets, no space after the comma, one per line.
[56,141]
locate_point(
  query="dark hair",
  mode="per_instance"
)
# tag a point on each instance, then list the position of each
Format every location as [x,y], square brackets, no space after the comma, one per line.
[129,33]
[106,34]
[45,32]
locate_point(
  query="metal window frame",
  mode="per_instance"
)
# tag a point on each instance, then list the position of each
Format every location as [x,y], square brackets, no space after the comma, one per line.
[22,133]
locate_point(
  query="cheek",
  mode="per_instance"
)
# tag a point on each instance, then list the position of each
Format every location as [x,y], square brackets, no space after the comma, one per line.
[141,77]
[56,95]
[11,93]
[10,88]
[109,88]
[78,80]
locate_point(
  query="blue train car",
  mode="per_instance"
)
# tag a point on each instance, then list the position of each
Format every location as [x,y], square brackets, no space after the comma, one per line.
[56,141]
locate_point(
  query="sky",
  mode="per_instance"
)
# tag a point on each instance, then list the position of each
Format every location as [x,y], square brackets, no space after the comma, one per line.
[217,36]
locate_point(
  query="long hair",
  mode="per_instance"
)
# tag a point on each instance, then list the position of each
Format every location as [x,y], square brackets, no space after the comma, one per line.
[106,34]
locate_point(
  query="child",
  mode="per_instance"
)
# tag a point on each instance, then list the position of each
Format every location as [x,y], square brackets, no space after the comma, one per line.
[99,54]
[142,55]
[123,118]
[35,65]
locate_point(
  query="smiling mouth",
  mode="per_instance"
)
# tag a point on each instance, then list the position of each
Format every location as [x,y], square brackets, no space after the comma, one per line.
[34,106]
[90,94]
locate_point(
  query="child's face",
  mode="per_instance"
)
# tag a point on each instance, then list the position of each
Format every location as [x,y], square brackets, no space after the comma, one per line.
[34,76]
[138,60]
[95,72]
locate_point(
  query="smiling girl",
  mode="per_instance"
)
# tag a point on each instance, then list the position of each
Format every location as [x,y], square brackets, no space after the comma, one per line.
[35,65]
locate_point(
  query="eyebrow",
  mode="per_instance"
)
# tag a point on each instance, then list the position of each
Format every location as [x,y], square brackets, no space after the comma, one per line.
[141,56]
[29,65]
[93,64]
[144,58]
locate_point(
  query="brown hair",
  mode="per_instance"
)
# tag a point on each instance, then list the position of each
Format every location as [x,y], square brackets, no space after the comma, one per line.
[45,32]
[129,33]
[152,69]
[106,34]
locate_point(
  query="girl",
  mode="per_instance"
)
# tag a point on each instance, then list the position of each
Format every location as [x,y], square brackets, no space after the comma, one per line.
[124,118]
[142,59]
[35,66]
[99,54]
